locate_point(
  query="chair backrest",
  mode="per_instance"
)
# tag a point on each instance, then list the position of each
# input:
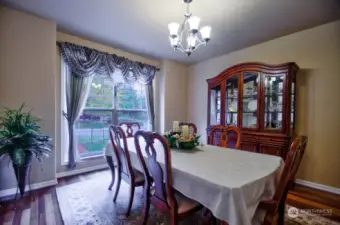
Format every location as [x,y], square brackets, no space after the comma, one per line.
[130,128]
[191,126]
[119,143]
[291,166]
[226,133]
[153,172]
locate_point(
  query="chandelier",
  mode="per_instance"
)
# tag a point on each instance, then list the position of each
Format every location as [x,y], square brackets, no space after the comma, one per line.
[189,31]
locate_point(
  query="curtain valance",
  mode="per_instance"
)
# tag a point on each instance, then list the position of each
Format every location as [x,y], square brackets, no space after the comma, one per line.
[85,61]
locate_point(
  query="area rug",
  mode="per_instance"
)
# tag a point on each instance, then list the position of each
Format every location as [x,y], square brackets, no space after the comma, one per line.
[89,202]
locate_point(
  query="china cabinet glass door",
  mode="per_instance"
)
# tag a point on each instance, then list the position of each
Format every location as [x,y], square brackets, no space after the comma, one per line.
[250,100]
[215,105]
[292,108]
[231,101]
[273,102]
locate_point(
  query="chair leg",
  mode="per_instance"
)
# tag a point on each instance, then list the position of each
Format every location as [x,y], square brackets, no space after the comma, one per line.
[214,221]
[118,186]
[146,205]
[174,217]
[207,217]
[112,179]
[132,193]
[109,161]
[281,212]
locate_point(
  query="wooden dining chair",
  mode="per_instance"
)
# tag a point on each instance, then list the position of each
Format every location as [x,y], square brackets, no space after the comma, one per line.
[225,135]
[158,189]
[125,171]
[276,206]
[192,127]
[129,128]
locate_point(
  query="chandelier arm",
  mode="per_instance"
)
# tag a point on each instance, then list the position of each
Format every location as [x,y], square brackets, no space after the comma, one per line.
[180,47]
[180,40]
[182,50]
[199,40]
[199,44]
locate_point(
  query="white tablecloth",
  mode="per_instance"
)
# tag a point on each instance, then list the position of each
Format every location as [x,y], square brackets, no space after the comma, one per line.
[229,182]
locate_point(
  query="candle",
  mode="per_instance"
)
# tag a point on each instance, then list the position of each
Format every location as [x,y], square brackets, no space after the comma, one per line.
[175,126]
[185,131]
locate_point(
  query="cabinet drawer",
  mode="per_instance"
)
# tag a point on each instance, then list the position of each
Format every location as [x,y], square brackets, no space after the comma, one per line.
[271,139]
[250,138]
[271,150]
[249,146]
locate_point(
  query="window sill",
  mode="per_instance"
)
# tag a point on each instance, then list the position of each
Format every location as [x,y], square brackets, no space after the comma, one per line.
[90,158]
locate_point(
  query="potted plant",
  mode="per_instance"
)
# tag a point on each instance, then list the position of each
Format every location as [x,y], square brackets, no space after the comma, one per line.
[20,139]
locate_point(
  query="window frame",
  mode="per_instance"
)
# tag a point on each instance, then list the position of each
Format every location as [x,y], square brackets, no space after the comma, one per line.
[64,127]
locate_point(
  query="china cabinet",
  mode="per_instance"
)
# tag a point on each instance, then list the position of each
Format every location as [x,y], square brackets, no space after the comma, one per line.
[260,100]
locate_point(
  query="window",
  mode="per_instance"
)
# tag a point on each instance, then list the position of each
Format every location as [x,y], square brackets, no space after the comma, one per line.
[109,102]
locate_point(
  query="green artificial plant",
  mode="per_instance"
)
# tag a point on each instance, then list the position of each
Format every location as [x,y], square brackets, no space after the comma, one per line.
[20,137]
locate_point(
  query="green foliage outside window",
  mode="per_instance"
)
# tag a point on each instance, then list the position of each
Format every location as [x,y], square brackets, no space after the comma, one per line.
[127,97]
[92,133]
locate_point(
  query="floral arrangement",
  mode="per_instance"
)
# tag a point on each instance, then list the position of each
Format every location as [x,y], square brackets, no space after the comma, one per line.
[176,140]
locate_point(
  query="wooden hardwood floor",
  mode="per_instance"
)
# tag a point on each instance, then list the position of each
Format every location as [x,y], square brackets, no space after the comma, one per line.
[41,206]
[308,198]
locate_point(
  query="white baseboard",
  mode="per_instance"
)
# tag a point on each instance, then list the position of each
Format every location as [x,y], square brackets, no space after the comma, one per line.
[318,186]
[83,170]
[12,191]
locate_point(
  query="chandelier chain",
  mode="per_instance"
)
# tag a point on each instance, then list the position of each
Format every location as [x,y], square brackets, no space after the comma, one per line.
[188,13]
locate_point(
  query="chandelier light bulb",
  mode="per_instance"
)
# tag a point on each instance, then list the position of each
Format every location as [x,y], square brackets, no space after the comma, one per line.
[191,41]
[194,23]
[173,28]
[174,41]
[205,32]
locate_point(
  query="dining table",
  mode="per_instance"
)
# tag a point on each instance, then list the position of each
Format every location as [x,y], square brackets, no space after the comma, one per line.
[228,182]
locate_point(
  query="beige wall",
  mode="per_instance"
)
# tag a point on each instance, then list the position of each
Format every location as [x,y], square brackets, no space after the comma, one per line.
[27,74]
[63,37]
[30,72]
[317,52]
[173,84]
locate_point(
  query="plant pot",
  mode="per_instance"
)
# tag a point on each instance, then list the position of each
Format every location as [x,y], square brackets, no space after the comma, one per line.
[22,173]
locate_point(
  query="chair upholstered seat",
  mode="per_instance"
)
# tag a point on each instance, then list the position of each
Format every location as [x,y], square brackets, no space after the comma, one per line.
[139,176]
[186,204]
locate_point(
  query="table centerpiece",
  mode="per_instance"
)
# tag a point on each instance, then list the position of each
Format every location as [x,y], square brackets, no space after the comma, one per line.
[181,139]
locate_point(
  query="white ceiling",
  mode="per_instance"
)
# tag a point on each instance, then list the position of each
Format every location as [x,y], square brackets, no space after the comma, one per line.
[140,26]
